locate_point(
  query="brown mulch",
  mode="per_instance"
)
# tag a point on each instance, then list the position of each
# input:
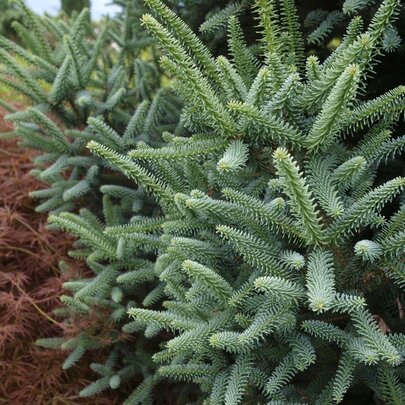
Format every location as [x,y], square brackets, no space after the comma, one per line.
[30,286]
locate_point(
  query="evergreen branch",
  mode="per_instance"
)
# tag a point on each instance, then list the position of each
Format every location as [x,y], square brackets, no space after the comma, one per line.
[163,319]
[367,328]
[195,149]
[270,214]
[132,170]
[187,372]
[359,52]
[281,375]
[259,90]
[221,18]
[245,63]
[325,127]
[77,61]
[289,19]
[343,377]
[301,199]
[320,281]
[190,40]
[137,121]
[35,26]
[37,116]
[11,47]
[238,379]
[325,27]
[279,288]
[140,224]
[106,133]
[255,251]
[15,69]
[235,89]
[265,128]
[199,84]
[326,331]
[348,171]
[325,191]
[213,281]
[269,24]
[358,214]
[77,226]
[386,14]
[234,158]
[369,112]
[394,244]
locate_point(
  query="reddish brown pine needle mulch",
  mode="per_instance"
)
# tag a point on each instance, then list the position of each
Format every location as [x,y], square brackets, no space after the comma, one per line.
[30,286]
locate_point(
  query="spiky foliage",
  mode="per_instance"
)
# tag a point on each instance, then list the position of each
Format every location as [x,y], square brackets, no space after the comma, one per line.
[236,299]
[250,242]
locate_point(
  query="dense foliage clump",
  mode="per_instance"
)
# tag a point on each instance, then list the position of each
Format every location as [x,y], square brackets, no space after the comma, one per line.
[240,204]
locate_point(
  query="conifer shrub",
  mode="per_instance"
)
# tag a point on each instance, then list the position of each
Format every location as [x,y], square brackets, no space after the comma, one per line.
[246,232]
